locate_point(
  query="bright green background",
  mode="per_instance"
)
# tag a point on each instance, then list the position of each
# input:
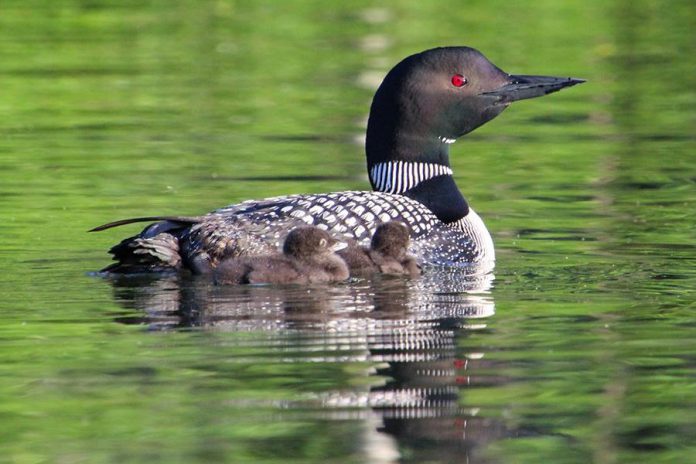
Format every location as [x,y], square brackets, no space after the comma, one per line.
[111,109]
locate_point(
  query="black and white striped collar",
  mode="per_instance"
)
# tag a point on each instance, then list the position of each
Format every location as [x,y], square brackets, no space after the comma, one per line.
[401,176]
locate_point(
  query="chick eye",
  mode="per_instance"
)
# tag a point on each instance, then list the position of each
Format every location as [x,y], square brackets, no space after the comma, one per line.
[458,80]
[322,242]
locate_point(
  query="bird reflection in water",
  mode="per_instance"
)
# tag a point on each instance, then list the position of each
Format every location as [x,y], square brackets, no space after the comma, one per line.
[410,328]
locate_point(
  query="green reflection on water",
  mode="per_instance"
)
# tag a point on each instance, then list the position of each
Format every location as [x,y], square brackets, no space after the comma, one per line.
[117,109]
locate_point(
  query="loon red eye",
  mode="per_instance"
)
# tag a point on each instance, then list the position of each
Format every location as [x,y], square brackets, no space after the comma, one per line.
[458,80]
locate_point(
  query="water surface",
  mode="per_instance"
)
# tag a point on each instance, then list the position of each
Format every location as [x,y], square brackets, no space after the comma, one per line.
[579,349]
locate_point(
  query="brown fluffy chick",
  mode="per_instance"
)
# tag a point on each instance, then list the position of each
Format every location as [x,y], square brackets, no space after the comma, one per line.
[308,257]
[387,253]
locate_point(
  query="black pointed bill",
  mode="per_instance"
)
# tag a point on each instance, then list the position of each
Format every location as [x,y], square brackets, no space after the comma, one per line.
[523,87]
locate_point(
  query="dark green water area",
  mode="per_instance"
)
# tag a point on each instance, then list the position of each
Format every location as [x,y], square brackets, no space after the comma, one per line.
[580,347]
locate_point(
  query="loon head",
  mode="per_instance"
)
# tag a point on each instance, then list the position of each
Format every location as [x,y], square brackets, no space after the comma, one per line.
[309,241]
[391,239]
[432,98]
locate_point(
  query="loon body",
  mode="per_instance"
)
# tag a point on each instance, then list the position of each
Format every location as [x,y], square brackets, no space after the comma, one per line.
[423,105]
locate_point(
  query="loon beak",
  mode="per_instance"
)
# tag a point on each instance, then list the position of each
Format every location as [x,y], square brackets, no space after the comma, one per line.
[523,87]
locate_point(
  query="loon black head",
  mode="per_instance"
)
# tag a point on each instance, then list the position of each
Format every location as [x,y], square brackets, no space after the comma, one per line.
[308,241]
[432,98]
[423,105]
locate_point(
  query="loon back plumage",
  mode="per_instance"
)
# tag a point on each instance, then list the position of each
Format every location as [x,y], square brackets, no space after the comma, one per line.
[259,227]
[254,227]
[424,104]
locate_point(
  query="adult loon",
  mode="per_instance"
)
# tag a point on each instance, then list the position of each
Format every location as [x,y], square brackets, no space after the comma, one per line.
[425,103]
[308,257]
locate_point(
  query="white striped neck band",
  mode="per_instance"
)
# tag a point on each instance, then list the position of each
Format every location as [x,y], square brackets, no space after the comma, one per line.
[401,176]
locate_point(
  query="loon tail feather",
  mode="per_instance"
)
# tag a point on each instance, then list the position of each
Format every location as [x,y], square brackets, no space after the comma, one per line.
[181,220]
[146,254]
[155,249]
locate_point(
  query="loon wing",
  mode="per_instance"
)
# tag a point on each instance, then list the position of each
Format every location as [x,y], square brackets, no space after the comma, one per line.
[254,227]
[352,214]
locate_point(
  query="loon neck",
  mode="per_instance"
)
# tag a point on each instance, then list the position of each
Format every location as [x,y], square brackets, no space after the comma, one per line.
[398,160]
[441,195]
[410,156]
[402,176]
[430,183]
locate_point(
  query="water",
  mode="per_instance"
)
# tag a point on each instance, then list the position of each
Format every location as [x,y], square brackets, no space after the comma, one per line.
[579,349]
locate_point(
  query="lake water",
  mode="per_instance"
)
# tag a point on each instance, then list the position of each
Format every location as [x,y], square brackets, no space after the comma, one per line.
[581,347]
